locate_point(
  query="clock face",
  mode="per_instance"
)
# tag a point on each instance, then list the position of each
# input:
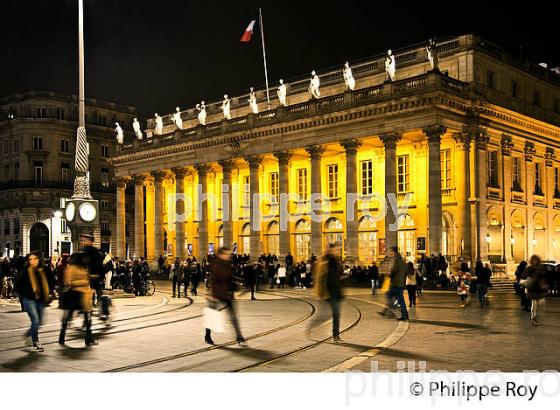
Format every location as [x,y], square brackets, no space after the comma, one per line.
[87,212]
[70,211]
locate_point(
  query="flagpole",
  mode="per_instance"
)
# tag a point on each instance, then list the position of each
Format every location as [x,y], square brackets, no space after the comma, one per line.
[264,60]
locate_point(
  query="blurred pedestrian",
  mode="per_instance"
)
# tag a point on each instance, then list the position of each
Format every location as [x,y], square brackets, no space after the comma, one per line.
[411,284]
[536,287]
[175,275]
[32,286]
[464,282]
[520,290]
[327,272]
[222,286]
[482,284]
[397,276]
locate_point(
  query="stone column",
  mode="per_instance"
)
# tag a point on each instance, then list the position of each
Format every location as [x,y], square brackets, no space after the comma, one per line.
[284,189]
[139,216]
[150,222]
[507,144]
[254,204]
[434,134]
[549,158]
[352,223]
[463,194]
[316,152]
[227,206]
[390,141]
[529,151]
[481,167]
[202,190]
[158,208]
[180,218]
[121,218]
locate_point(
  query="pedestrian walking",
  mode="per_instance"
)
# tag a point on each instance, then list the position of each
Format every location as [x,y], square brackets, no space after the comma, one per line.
[374,271]
[536,287]
[222,286]
[411,284]
[520,290]
[281,276]
[32,286]
[327,272]
[483,283]
[397,277]
[464,282]
[175,276]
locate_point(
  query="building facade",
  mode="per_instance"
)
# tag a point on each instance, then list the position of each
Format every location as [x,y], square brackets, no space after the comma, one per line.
[468,149]
[37,146]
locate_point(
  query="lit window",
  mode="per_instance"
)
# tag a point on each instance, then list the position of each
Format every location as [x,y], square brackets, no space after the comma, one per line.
[332,174]
[302,183]
[446,182]
[493,175]
[403,174]
[516,174]
[367,177]
[556,183]
[538,179]
[105,177]
[246,191]
[274,188]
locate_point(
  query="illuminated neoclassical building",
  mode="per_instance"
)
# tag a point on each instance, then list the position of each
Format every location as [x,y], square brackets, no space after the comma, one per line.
[473,144]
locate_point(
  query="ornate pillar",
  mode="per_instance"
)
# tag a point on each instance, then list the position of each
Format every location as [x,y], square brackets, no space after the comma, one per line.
[481,167]
[316,152]
[158,209]
[139,216]
[227,207]
[121,218]
[202,190]
[549,157]
[390,141]
[254,204]
[434,134]
[507,250]
[150,221]
[179,217]
[463,195]
[529,151]
[284,181]
[352,222]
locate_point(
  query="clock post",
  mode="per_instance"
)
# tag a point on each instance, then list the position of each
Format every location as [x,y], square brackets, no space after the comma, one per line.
[82,211]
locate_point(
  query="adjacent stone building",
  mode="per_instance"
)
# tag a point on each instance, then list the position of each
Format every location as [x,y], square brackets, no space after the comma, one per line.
[37,145]
[474,144]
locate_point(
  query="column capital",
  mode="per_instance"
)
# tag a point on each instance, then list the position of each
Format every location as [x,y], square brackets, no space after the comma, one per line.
[254,161]
[158,176]
[529,150]
[351,145]
[139,179]
[549,157]
[202,169]
[390,139]
[434,132]
[121,181]
[507,145]
[283,157]
[179,172]
[464,139]
[315,151]
[481,140]
[227,165]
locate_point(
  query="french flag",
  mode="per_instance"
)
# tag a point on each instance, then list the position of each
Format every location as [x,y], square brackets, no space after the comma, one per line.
[246,37]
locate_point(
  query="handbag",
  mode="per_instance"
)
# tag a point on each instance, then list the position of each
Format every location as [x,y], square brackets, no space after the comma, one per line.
[213,319]
[70,300]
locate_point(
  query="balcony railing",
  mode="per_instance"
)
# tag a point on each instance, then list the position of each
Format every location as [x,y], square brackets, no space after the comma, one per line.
[31,184]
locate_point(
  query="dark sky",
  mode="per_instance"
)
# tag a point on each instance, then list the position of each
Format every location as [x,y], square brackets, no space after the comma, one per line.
[159,54]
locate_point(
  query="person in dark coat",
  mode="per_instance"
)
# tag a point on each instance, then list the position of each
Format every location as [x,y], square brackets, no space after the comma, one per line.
[196,277]
[397,275]
[534,281]
[32,286]
[175,276]
[483,275]
[327,273]
[93,259]
[222,286]
[525,302]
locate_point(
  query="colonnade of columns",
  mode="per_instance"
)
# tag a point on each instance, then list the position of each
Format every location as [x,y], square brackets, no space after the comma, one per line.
[149,237]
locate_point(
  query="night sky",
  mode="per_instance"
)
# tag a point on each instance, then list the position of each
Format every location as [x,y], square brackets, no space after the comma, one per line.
[159,54]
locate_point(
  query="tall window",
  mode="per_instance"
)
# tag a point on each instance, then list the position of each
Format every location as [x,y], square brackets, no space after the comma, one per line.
[446,182]
[104,204]
[274,188]
[105,228]
[516,174]
[41,113]
[105,177]
[64,145]
[367,177]
[332,178]
[537,98]
[104,151]
[37,143]
[38,172]
[246,191]
[514,89]
[493,180]
[538,179]
[65,173]
[60,113]
[403,174]
[16,226]
[556,183]
[302,183]
[490,79]
[6,146]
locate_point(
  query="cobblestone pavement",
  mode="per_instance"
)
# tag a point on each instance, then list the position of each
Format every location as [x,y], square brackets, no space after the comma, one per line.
[161,334]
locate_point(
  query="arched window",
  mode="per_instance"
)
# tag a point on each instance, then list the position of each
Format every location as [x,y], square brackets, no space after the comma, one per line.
[303,240]
[406,236]
[273,238]
[334,233]
[367,239]
[246,238]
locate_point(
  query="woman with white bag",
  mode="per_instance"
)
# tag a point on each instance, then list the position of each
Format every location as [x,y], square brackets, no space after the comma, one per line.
[220,297]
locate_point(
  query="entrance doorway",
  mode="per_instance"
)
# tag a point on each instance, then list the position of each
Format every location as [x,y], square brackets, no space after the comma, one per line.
[39,238]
